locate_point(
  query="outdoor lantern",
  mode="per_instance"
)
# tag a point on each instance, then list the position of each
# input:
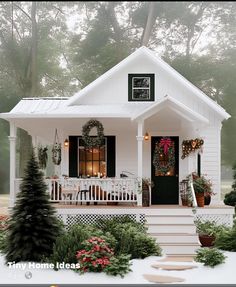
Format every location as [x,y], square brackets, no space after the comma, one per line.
[146,137]
[66,143]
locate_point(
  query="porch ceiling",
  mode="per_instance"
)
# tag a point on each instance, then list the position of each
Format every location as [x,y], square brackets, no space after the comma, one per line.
[174,106]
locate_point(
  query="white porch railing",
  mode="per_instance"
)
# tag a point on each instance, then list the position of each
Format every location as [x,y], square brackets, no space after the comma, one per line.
[79,190]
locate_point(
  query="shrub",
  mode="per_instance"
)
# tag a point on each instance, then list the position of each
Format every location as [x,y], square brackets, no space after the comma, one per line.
[120,265]
[94,256]
[132,239]
[208,227]
[97,256]
[3,231]
[210,257]
[230,198]
[226,240]
[65,247]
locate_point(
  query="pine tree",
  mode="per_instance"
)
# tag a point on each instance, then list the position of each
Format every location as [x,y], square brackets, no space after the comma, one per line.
[33,226]
[230,198]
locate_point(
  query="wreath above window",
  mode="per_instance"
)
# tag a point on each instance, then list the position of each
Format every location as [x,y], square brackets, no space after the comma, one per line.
[90,141]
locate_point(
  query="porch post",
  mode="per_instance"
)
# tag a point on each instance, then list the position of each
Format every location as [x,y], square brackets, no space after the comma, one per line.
[12,139]
[140,159]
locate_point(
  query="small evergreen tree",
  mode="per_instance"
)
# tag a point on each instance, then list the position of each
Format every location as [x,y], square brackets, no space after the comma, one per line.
[230,198]
[33,226]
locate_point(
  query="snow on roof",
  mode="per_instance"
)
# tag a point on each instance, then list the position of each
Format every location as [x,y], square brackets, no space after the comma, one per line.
[38,105]
[28,108]
[144,51]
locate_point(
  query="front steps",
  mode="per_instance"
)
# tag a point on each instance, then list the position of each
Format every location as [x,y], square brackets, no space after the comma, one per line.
[174,230]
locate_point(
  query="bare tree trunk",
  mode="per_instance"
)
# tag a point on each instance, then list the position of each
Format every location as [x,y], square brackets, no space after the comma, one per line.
[151,18]
[34,48]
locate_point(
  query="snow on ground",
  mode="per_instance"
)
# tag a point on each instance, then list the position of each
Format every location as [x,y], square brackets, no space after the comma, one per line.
[222,274]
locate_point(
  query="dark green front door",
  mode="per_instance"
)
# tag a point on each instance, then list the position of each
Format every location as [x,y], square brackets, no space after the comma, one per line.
[165,170]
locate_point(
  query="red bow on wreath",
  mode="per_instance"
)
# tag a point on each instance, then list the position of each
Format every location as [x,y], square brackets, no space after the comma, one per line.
[165,143]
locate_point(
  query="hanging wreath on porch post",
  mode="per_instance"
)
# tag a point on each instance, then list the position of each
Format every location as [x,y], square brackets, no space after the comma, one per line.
[56,150]
[164,148]
[93,141]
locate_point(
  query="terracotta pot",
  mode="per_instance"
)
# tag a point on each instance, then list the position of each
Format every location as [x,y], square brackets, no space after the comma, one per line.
[200,199]
[207,200]
[206,240]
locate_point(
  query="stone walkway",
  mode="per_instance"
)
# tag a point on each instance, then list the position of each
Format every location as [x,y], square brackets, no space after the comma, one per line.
[170,267]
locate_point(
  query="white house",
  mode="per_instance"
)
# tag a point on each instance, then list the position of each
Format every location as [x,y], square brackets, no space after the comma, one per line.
[148,112]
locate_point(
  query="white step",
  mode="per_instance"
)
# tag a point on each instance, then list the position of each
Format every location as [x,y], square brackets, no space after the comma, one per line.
[175,238]
[178,248]
[169,211]
[169,219]
[171,228]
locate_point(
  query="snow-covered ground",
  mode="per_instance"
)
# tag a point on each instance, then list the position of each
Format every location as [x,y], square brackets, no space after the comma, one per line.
[221,274]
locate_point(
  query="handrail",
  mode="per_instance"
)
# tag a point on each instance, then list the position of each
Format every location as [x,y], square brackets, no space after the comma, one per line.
[194,201]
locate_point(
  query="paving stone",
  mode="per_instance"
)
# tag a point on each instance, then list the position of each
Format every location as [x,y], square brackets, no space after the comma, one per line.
[173,267]
[162,279]
[177,259]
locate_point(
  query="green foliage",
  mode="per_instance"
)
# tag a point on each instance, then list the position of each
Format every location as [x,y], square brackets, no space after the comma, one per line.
[209,227]
[230,198]
[3,231]
[120,265]
[210,257]
[66,245]
[226,240]
[202,185]
[132,238]
[33,225]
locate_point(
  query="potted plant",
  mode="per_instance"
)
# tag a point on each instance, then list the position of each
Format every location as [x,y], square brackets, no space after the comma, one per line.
[202,188]
[147,184]
[207,232]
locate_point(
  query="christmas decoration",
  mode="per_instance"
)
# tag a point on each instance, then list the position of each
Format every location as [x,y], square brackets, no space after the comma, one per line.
[42,157]
[93,141]
[33,226]
[56,150]
[164,155]
[189,146]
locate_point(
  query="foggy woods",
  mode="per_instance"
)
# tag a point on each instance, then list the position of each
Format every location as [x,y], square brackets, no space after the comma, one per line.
[57,48]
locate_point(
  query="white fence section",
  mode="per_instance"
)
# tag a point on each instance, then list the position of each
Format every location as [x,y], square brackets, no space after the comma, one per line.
[79,190]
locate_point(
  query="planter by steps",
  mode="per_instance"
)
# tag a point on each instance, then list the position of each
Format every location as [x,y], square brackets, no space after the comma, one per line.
[200,199]
[206,240]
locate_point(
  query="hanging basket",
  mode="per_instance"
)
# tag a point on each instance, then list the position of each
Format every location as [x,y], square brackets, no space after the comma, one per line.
[56,150]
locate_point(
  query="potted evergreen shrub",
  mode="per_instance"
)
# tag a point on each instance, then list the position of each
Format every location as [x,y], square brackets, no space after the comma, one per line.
[207,232]
[202,188]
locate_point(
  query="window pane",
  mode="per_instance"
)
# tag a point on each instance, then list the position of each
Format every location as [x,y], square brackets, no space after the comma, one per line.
[95,153]
[141,82]
[140,94]
[82,168]
[89,154]
[81,153]
[103,170]
[89,168]
[102,153]
[95,168]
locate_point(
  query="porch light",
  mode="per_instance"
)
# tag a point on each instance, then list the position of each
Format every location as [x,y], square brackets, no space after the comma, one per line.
[146,137]
[66,143]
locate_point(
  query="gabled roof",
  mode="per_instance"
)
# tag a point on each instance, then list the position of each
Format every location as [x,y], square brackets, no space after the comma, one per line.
[173,104]
[145,52]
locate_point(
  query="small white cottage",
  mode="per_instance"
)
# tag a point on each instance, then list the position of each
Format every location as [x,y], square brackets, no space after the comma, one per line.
[147,121]
[152,117]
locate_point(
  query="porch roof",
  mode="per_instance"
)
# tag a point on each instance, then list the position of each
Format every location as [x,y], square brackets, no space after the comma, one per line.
[58,108]
[175,106]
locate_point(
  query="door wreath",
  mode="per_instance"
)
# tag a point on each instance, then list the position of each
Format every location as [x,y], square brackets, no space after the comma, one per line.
[164,148]
[56,150]
[93,141]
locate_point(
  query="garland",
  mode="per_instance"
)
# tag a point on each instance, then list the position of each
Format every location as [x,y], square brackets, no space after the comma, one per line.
[164,150]
[189,146]
[93,141]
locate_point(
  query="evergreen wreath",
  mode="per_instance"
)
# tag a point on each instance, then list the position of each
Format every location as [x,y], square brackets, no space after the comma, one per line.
[93,141]
[156,158]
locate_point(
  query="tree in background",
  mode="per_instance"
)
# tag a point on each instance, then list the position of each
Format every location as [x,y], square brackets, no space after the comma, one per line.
[230,198]
[33,226]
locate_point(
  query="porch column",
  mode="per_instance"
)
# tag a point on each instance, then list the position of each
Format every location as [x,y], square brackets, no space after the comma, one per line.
[12,139]
[140,159]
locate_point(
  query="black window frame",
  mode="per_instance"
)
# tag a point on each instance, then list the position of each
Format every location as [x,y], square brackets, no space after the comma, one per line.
[131,88]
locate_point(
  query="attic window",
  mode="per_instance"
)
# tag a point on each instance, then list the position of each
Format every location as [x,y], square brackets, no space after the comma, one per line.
[141,87]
